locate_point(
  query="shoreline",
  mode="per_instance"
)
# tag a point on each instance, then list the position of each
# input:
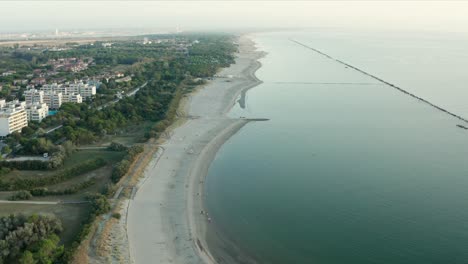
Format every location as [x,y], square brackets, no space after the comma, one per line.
[165,223]
[198,222]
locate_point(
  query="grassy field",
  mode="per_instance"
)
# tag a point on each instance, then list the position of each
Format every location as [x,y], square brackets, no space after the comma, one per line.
[71,215]
[127,136]
[101,177]
[88,154]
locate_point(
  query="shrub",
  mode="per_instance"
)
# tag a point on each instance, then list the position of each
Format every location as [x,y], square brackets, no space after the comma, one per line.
[99,203]
[114,146]
[21,195]
[116,215]
[4,171]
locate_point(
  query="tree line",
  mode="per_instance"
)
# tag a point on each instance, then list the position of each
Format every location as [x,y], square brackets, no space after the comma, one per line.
[122,167]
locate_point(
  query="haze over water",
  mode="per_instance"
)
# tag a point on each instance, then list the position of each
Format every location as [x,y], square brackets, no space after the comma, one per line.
[349,170]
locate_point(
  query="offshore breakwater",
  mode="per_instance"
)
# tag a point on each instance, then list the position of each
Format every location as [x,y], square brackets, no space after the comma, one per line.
[382,81]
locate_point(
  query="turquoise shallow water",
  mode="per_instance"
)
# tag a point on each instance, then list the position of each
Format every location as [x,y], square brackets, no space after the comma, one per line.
[347,170]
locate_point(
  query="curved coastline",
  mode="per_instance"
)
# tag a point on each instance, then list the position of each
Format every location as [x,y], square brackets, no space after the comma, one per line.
[165,219]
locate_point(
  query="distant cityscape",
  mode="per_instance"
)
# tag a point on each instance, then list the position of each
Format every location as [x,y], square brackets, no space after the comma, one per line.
[70,34]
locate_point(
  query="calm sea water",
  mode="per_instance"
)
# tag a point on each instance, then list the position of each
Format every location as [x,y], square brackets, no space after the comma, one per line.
[349,170]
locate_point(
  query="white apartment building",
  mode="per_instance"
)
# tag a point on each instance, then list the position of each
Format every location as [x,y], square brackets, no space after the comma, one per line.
[85,90]
[55,88]
[72,98]
[13,118]
[49,87]
[33,96]
[16,104]
[71,90]
[37,111]
[53,99]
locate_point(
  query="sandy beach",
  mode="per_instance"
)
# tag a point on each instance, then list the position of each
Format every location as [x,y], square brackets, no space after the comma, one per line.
[165,222]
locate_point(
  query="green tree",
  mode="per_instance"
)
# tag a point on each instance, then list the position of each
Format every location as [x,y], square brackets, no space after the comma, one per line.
[27,258]
[48,250]
[6,149]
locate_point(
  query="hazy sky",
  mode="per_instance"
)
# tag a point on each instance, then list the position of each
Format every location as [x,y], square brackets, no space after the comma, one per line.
[199,15]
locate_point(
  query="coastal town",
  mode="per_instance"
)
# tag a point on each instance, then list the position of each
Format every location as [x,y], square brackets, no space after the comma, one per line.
[79,122]
[43,94]
[32,96]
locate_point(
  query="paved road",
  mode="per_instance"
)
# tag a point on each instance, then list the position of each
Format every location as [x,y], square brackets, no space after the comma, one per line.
[43,202]
[91,148]
[53,129]
[28,202]
[132,93]
[24,158]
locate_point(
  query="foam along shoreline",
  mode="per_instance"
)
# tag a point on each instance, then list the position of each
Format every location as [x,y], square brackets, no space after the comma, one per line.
[165,223]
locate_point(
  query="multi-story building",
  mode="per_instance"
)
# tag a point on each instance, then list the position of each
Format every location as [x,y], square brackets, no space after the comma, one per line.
[37,111]
[34,96]
[83,89]
[71,90]
[55,88]
[53,99]
[13,118]
[16,103]
[72,98]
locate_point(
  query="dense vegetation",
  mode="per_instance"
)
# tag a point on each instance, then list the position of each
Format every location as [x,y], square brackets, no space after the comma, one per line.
[29,239]
[122,167]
